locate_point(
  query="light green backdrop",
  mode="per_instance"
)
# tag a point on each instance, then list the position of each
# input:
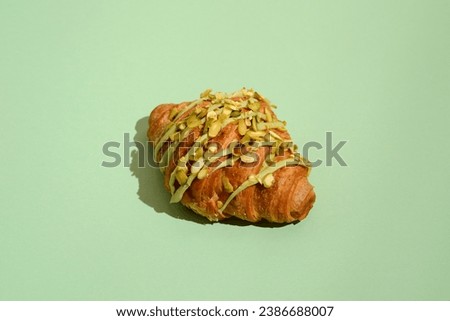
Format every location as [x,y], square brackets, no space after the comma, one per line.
[77,74]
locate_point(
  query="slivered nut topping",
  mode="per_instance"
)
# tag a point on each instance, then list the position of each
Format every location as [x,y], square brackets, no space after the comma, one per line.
[268,180]
[202,174]
[227,185]
[214,129]
[251,113]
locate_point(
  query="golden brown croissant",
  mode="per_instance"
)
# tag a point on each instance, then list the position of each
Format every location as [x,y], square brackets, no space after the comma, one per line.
[228,155]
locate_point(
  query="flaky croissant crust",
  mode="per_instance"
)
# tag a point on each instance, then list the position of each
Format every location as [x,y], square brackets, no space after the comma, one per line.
[228,155]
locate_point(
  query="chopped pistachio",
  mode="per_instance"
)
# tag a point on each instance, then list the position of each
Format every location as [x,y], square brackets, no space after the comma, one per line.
[268,139]
[219,204]
[212,148]
[270,125]
[220,95]
[242,128]
[226,112]
[231,104]
[198,153]
[247,159]
[214,129]
[182,126]
[256,134]
[254,124]
[243,103]
[203,173]
[193,121]
[214,106]
[254,106]
[275,135]
[202,113]
[185,133]
[261,115]
[248,92]
[237,93]
[195,124]
[211,115]
[268,180]
[244,140]
[268,115]
[175,136]
[235,113]
[206,93]
[227,185]
[233,107]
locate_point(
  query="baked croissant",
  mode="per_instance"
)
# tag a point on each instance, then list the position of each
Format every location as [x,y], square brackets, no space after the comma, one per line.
[229,155]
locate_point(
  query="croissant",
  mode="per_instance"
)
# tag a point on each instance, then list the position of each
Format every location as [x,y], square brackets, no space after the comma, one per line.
[226,155]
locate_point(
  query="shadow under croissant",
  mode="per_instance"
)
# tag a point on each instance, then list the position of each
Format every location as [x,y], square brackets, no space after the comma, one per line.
[151,187]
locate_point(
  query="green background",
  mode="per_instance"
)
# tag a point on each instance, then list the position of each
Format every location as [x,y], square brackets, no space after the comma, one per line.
[77,74]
